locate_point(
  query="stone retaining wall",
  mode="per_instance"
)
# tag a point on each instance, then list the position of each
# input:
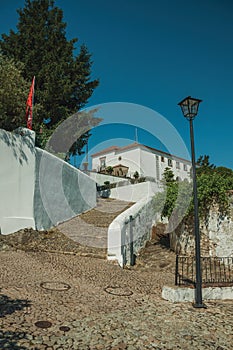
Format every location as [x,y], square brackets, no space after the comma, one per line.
[216,235]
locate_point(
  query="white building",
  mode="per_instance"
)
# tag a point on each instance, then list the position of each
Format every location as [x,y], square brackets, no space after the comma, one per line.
[147,161]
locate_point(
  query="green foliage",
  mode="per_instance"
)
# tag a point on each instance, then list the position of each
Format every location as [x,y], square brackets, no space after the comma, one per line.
[109,170]
[227,174]
[76,148]
[13,94]
[212,189]
[136,175]
[168,176]
[171,196]
[72,134]
[174,200]
[164,202]
[184,199]
[204,165]
[63,81]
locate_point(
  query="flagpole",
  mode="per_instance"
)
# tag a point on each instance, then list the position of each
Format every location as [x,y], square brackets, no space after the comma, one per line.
[34,81]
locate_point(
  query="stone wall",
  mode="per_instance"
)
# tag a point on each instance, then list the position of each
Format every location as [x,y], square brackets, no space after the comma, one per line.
[216,235]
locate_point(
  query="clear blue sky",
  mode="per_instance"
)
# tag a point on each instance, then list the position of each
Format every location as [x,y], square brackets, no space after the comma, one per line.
[154,53]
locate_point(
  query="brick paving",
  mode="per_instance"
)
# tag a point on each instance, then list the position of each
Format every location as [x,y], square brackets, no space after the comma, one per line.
[87,303]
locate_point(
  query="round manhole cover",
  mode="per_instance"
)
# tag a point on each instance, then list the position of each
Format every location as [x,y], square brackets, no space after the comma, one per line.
[58,286]
[64,328]
[43,324]
[119,291]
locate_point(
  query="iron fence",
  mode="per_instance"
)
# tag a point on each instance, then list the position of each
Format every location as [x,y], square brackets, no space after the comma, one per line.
[216,271]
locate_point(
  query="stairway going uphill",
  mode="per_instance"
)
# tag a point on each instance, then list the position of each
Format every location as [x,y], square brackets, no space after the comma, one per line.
[90,229]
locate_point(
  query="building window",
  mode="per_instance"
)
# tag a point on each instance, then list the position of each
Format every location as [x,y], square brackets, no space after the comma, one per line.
[162,159]
[177,165]
[185,167]
[169,161]
[102,163]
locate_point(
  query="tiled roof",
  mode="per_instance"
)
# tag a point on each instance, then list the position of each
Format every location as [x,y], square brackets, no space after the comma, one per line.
[167,154]
[106,150]
[135,145]
[120,165]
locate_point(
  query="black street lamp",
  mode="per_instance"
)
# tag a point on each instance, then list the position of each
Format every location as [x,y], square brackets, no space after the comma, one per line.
[189,108]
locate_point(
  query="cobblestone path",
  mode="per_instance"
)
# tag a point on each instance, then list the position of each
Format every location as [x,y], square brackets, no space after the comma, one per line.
[55,301]
[90,228]
[85,303]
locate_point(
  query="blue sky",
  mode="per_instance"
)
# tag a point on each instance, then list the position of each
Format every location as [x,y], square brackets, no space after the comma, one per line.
[154,53]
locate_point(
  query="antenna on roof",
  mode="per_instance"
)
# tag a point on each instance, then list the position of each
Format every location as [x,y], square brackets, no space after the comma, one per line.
[136,135]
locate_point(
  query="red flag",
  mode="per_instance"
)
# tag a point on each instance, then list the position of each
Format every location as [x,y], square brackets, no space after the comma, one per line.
[29,105]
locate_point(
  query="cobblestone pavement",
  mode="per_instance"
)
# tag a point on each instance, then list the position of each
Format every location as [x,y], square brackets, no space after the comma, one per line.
[89,303]
[55,301]
[91,228]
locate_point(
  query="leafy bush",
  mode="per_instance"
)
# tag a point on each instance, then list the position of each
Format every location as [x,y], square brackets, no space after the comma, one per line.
[177,199]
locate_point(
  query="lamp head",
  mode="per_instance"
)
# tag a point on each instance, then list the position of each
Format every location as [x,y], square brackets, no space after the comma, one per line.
[189,107]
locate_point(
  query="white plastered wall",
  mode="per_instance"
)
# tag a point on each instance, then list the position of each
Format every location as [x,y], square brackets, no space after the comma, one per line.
[17,169]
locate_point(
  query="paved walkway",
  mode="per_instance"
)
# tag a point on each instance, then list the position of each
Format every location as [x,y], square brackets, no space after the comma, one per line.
[88,303]
[54,301]
[91,228]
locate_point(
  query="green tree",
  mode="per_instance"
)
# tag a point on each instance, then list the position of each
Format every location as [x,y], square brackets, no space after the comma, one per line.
[204,165]
[168,176]
[72,134]
[77,147]
[63,80]
[227,174]
[212,189]
[165,201]
[13,94]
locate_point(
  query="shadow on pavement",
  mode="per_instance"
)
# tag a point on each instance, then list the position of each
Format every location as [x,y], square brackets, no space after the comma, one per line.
[8,306]
[9,339]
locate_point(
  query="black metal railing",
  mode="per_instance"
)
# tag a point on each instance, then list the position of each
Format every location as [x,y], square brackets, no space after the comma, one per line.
[215,270]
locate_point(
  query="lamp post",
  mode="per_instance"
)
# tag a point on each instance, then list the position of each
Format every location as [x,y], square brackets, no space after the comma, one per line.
[189,107]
